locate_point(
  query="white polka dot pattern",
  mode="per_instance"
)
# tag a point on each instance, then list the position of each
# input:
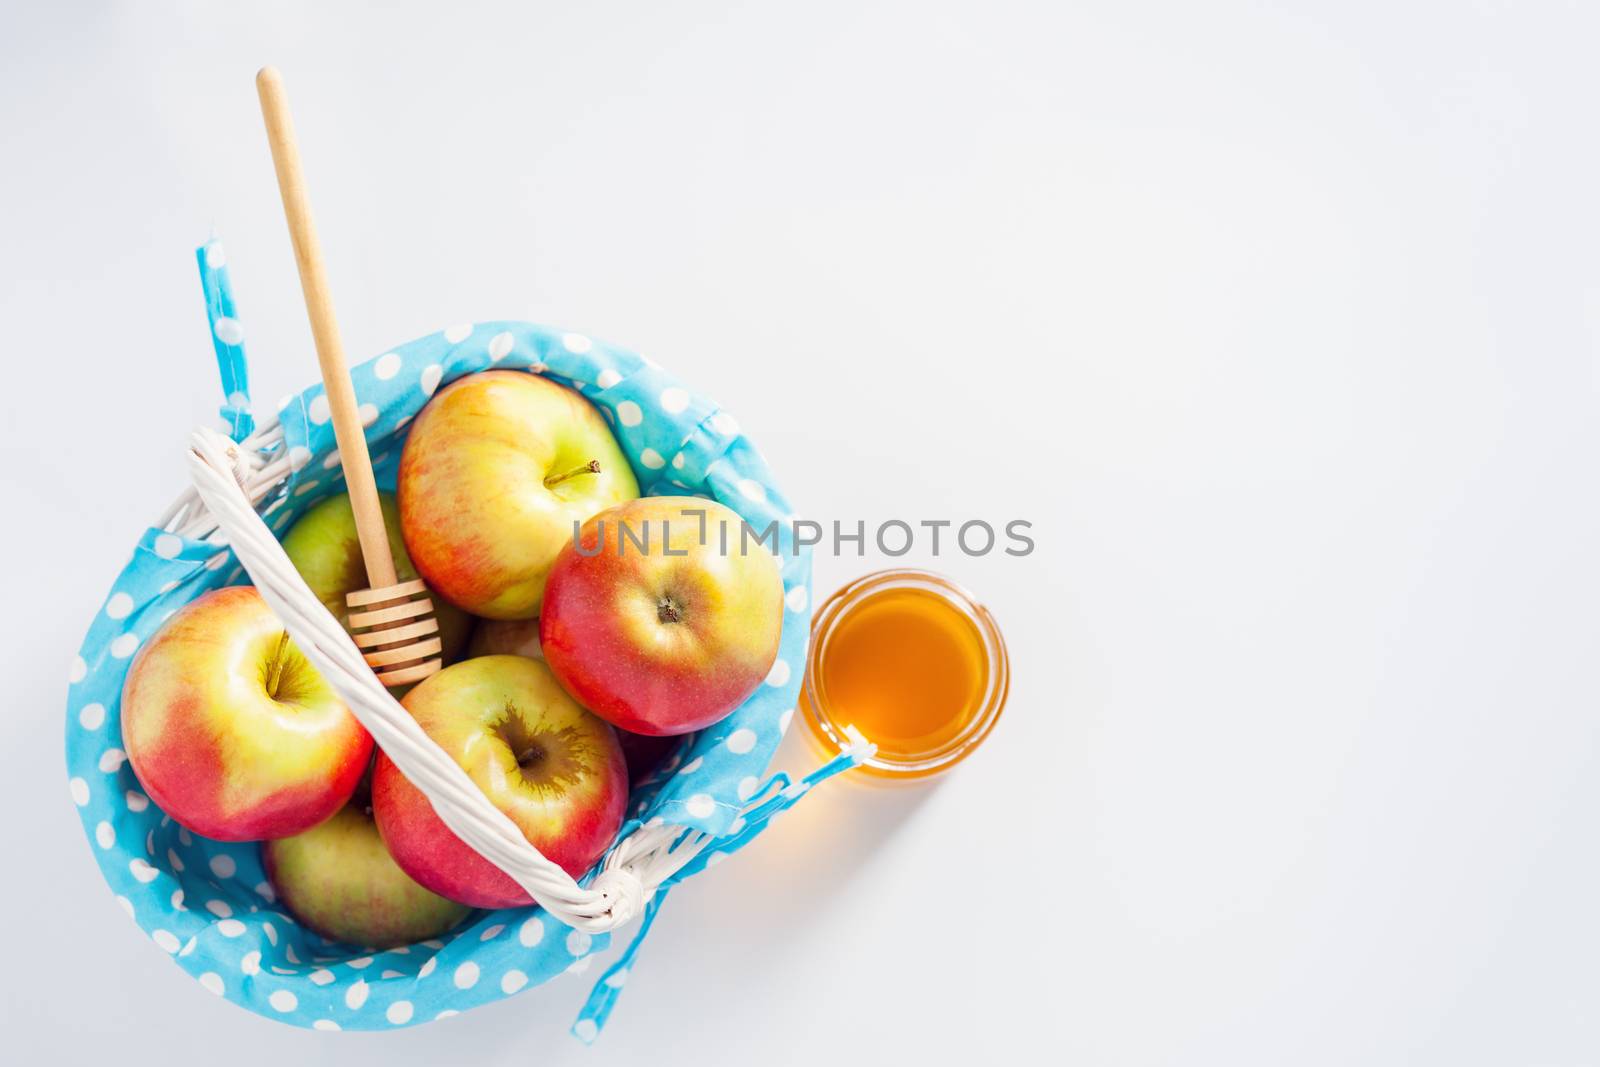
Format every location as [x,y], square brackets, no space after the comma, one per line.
[386,367]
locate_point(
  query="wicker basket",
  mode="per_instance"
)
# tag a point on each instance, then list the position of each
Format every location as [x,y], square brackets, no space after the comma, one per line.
[208,904]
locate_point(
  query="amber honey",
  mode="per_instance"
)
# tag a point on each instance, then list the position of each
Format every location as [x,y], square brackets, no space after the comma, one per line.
[908,660]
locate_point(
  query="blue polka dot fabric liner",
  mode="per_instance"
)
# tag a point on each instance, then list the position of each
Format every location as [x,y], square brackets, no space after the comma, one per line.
[208,903]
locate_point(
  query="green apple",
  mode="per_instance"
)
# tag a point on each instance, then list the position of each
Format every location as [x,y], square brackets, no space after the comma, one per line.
[338,879]
[497,471]
[324,548]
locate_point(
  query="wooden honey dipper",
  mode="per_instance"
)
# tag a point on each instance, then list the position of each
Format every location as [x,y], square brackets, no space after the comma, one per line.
[392,621]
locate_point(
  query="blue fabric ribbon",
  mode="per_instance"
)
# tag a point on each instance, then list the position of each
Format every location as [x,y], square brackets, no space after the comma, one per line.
[781,794]
[227,337]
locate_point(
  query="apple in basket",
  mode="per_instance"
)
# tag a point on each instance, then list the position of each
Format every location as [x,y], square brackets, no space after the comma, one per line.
[231,730]
[520,637]
[497,470]
[553,768]
[338,879]
[662,617]
[324,548]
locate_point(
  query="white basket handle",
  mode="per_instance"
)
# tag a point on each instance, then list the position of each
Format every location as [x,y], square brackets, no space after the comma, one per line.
[635,867]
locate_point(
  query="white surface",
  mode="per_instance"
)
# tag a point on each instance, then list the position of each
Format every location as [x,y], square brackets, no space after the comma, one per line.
[1280,326]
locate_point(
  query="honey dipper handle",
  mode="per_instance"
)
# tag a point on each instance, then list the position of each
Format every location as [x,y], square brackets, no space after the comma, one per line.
[347,428]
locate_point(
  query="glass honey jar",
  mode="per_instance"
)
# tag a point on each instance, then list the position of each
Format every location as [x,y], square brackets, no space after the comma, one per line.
[910,661]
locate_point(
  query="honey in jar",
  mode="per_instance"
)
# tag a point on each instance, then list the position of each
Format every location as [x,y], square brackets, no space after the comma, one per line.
[908,660]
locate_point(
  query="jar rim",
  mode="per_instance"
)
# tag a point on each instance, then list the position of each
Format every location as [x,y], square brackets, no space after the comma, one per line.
[952,750]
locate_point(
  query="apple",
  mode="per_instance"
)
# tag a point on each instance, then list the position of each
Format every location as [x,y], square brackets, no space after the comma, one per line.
[669,637]
[512,637]
[497,471]
[520,637]
[230,729]
[339,880]
[324,548]
[553,768]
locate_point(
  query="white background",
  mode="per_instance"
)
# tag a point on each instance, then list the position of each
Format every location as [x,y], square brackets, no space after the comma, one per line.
[1278,321]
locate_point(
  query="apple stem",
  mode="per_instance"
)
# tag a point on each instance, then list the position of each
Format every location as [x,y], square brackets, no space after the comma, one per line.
[667,611]
[591,467]
[275,670]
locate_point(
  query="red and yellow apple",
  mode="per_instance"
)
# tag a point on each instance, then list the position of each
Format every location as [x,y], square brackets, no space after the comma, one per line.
[324,548]
[553,768]
[231,730]
[497,470]
[668,627]
[338,879]
[520,637]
